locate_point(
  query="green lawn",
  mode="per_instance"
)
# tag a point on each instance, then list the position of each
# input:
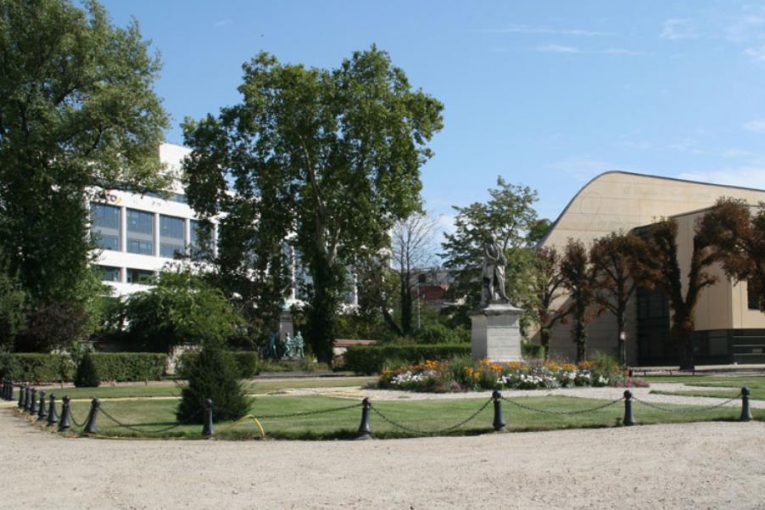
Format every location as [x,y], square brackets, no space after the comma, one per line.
[730,386]
[423,417]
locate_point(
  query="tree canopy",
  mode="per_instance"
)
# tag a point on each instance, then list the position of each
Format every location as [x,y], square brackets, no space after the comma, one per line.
[326,159]
[77,110]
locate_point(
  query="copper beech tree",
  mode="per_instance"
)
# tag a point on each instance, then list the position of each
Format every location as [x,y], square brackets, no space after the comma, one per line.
[577,278]
[736,231]
[660,269]
[614,259]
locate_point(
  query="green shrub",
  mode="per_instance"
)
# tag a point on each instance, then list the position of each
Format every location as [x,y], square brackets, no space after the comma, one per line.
[247,363]
[213,374]
[371,359]
[129,366]
[87,374]
[36,368]
[440,334]
[532,351]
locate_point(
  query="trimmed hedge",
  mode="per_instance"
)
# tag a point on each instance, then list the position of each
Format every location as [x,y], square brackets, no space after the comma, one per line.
[247,363]
[129,366]
[370,359]
[36,368]
[110,366]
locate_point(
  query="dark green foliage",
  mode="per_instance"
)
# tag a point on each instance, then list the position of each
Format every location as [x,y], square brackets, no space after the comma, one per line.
[129,366]
[532,351]
[371,359]
[77,111]
[53,326]
[87,373]
[213,375]
[180,308]
[13,300]
[247,363]
[441,334]
[36,368]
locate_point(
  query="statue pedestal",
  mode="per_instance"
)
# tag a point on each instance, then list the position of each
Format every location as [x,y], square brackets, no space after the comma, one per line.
[496,335]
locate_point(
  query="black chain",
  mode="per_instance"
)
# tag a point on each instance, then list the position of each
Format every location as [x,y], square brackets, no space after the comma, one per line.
[430,432]
[78,425]
[578,411]
[134,427]
[687,410]
[306,413]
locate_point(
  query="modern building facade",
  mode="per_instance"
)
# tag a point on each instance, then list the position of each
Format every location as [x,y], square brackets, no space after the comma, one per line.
[139,234]
[728,329]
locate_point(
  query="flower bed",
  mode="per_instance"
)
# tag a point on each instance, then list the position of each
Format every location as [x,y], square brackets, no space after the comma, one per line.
[465,375]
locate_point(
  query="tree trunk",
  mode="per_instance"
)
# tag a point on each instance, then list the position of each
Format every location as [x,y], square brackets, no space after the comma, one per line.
[544,338]
[322,313]
[621,341]
[406,304]
[682,332]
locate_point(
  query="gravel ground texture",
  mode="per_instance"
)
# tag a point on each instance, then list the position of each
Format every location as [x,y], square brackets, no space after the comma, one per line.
[703,465]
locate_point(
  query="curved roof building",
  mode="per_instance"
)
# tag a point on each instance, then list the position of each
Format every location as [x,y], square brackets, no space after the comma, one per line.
[727,329]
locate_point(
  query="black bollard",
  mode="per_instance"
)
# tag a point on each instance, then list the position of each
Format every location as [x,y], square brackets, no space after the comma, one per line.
[6,396]
[90,427]
[629,419]
[746,412]
[499,421]
[42,412]
[22,401]
[365,431]
[27,391]
[10,390]
[52,416]
[208,429]
[33,402]
[64,423]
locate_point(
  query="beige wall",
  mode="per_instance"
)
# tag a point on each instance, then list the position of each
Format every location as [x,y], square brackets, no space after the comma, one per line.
[616,201]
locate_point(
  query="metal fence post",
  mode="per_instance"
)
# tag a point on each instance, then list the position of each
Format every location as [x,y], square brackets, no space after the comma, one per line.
[629,419]
[42,413]
[52,416]
[22,401]
[746,412]
[365,431]
[64,423]
[208,429]
[499,421]
[90,427]
[33,402]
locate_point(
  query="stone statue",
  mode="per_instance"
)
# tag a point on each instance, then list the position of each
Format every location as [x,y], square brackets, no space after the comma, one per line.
[286,346]
[271,351]
[493,277]
[299,345]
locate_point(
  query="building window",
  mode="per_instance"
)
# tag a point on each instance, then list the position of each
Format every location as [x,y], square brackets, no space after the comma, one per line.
[141,276]
[752,298]
[201,240]
[172,236]
[105,226]
[109,274]
[140,232]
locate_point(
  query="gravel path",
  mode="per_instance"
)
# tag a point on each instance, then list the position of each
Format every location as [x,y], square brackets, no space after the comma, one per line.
[702,465]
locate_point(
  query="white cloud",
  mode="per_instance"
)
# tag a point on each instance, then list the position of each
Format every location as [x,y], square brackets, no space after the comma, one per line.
[583,168]
[758,126]
[756,54]
[222,23]
[556,48]
[525,29]
[676,29]
[622,51]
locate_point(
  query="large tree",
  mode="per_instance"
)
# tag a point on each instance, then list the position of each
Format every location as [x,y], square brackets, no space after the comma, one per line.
[546,283]
[661,270]
[510,217]
[77,111]
[331,156]
[577,277]
[614,259]
[736,231]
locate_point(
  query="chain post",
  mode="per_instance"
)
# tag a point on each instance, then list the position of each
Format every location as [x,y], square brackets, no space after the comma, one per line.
[42,412]
[746,412]
[365,430]
[10,390]
[52,416]
[5,389]
[208,429]
[90,427]
[27,397]
[33,402]
[629,418]
[499,421]
[65,423]
[22,401]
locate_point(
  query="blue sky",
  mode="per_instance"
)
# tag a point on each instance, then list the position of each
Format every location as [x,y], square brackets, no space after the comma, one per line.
[547,94]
